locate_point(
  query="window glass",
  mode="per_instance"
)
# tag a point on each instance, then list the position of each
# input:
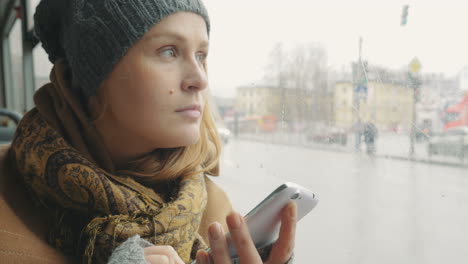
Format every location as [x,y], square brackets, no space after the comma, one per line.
[16,91]
[31,8]
[353,100]
[42,66]
[356,93]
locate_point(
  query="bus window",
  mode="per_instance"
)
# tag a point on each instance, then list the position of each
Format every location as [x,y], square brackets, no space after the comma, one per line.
[42,65]
[15,93]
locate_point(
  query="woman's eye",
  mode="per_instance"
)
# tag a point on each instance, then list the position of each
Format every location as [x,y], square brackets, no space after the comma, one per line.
[169,53]
[201,57]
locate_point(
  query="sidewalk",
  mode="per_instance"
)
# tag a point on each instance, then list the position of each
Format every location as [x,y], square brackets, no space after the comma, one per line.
[388,145]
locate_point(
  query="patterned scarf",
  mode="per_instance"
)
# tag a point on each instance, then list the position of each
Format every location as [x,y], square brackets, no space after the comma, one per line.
[62,162]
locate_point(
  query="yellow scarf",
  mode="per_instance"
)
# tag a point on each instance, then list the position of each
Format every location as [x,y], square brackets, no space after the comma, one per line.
[63,163]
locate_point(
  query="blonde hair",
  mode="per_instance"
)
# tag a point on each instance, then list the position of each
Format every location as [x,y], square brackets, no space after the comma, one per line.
[169,164]
[172,163]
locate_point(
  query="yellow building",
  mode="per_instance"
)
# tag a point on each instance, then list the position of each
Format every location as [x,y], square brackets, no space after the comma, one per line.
[385,104]
[343,104]
[288,104]
[256,101]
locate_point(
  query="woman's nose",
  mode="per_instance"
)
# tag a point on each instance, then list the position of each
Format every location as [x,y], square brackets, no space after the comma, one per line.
[196,78]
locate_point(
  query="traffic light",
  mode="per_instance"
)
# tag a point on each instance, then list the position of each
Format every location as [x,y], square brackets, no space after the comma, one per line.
[417,94]
[404,15]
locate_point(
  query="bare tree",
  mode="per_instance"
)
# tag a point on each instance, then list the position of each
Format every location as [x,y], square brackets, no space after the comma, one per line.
[308,75]
[275,68]
[301,75]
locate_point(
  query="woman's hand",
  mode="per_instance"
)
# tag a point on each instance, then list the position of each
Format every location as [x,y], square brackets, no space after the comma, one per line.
[162,255]
[281,252]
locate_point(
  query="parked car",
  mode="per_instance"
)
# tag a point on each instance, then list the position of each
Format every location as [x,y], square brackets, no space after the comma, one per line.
[224,133]
[453,142]
[328,135]
[422,134]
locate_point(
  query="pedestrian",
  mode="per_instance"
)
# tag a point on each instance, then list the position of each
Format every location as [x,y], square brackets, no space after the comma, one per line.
[370,134]
[358,129]
[119,146]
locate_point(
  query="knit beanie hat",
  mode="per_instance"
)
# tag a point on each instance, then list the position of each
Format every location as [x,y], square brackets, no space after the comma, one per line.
[93,35]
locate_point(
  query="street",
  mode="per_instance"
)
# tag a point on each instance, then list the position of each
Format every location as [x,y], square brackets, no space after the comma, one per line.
[388,145]
[371,210]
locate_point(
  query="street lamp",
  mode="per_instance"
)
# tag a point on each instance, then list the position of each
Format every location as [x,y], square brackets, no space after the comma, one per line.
[404,15]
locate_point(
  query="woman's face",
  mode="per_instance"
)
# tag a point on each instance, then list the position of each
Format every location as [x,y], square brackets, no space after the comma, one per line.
[155,93]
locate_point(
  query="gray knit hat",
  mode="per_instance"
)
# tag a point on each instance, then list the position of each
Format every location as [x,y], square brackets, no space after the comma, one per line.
[93,35]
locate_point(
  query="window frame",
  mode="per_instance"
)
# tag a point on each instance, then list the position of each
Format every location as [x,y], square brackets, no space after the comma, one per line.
[16,9]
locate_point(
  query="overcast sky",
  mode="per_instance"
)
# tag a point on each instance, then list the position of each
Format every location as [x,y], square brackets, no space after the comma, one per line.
[244,31]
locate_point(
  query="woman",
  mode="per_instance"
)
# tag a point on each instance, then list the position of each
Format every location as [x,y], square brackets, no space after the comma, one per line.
[120,142]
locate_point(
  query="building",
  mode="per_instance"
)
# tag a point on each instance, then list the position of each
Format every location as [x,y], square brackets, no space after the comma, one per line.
[388,105]
[463,79]
[257,100]
[437,94]
[224,106]
[290,105]
[343,104]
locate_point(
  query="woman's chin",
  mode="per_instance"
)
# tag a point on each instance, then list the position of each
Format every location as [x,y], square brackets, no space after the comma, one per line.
[186,138]
[189,141]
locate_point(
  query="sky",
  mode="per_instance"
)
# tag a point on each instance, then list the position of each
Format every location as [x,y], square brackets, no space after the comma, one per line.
[245,31]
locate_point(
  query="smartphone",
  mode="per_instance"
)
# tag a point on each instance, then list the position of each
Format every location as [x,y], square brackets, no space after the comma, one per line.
[264,220]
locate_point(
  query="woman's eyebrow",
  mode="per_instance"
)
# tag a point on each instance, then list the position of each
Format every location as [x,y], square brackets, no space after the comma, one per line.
[173,35]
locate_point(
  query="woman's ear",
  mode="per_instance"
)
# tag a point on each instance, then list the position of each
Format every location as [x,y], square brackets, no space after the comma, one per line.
[96,107]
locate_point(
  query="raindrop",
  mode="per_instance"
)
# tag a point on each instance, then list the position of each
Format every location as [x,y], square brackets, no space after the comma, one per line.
[282,117]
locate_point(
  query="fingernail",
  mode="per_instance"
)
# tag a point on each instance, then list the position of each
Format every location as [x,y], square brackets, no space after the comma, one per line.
[164,260]
[293,210]
[215,231]
[234,220]
[206,259]
[202,258]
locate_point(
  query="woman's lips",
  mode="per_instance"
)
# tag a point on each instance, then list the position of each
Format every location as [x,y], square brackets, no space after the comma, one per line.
[194,114]
[192,111]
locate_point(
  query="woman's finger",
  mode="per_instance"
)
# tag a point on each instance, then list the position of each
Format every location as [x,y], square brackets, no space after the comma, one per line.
[218,244]
[283,248]
[167,251]
[157,259]
[159,250]
[203,257]
[242,241]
